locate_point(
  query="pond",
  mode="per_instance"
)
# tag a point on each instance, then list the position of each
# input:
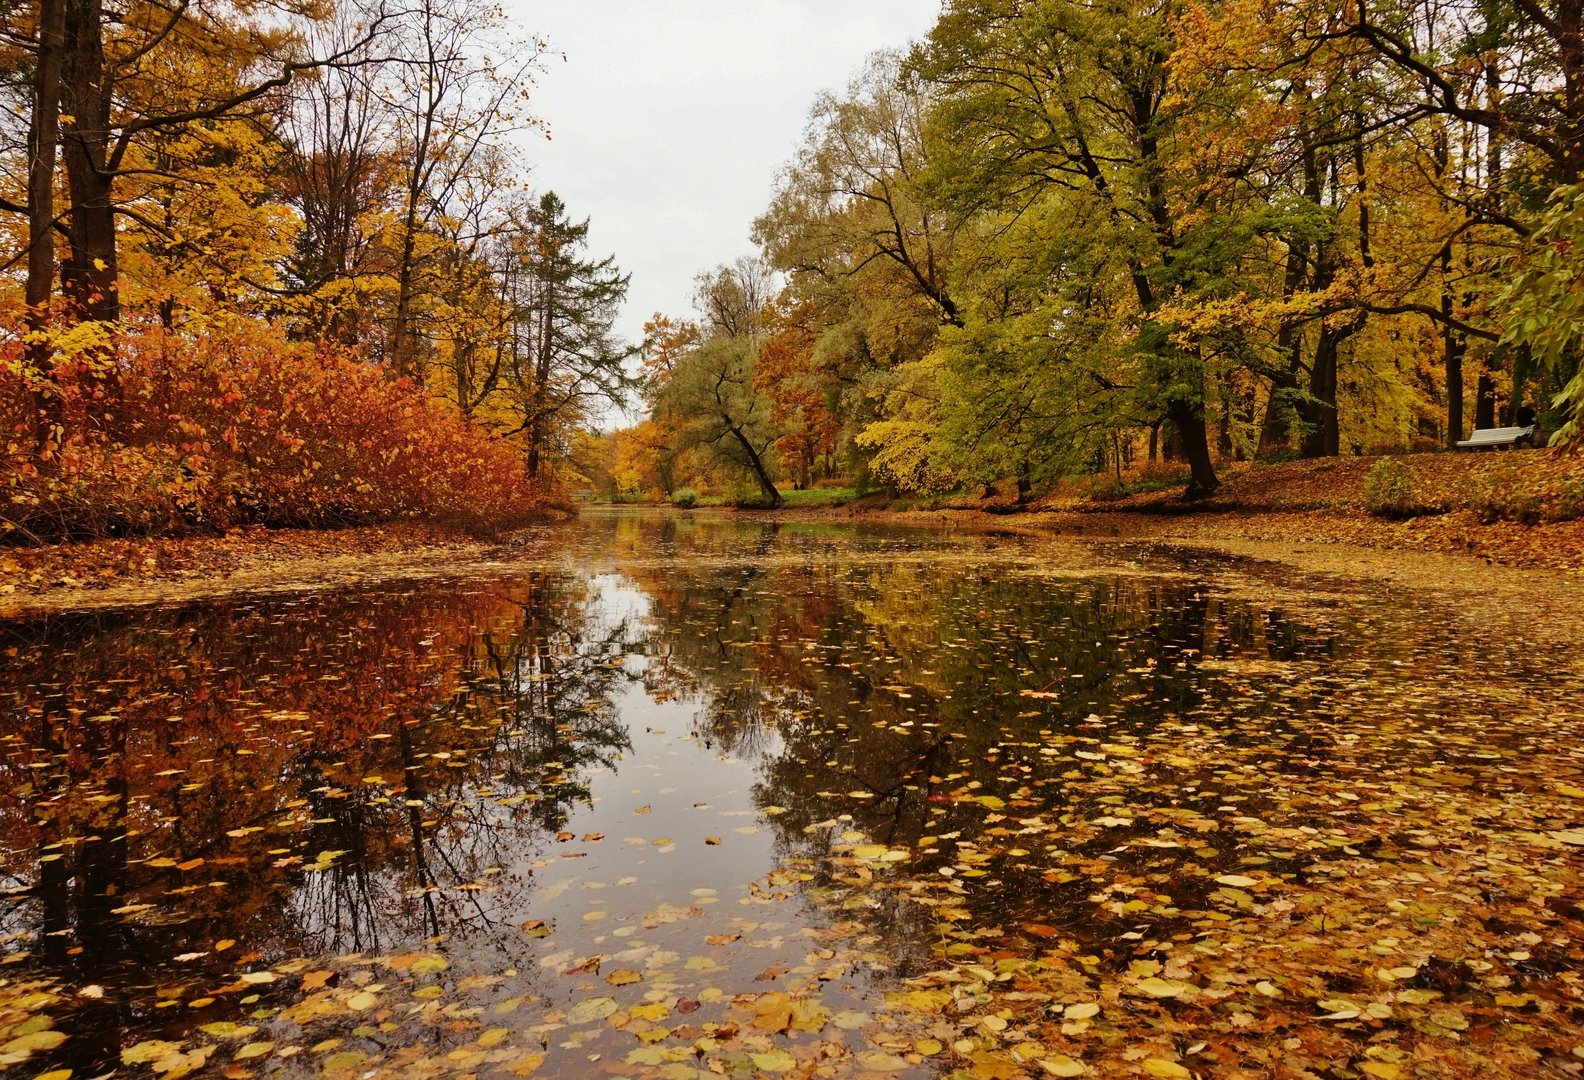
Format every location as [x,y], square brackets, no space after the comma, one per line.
[701,796]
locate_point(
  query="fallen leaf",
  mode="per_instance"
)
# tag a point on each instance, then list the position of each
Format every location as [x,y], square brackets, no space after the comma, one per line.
[590,1010]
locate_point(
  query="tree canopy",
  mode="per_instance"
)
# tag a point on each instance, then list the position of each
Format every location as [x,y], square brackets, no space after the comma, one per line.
[1055,238]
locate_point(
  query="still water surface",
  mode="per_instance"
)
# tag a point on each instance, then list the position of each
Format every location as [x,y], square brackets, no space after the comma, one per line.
[582,814]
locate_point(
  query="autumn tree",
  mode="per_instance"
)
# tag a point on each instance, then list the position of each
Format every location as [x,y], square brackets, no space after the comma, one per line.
[1056,100]
[866,256]
[457,86]
[714,403]
[338,173]
[704,381]
[118,90]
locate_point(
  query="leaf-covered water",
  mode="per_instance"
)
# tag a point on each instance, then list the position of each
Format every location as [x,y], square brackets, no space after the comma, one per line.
[697,796]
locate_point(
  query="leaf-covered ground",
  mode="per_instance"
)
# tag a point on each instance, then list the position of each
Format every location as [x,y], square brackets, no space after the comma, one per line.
[694,797]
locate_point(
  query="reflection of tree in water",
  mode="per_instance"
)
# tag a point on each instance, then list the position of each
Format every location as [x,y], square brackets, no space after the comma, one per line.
[872,699]
[169,779]
[534,707]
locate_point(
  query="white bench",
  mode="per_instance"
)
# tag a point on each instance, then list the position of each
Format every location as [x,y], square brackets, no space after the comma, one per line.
[1498,436]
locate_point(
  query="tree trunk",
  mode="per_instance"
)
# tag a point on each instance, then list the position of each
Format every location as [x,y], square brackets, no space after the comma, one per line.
[1189,424]
[1485,400]
[1321,436]
[89,273]
[755,462]
[400,343]
[43,143]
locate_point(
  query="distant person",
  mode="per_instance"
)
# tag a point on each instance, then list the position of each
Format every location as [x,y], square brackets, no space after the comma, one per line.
[1525,416]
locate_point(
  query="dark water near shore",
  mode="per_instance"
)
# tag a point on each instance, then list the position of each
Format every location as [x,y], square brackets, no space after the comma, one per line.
[597,813]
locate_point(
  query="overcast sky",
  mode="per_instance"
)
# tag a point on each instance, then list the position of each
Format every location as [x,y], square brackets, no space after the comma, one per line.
[671,118]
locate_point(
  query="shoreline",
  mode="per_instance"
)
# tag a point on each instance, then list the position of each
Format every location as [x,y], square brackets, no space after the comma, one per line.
[1451,554]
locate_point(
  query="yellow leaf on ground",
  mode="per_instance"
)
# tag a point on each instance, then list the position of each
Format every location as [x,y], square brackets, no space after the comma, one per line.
[1383,1069]
[1161,988]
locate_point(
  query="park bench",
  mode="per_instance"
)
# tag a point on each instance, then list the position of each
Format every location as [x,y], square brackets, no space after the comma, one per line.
[1498,436]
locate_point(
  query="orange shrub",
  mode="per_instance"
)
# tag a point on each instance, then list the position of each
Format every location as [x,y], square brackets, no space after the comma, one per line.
[173,433]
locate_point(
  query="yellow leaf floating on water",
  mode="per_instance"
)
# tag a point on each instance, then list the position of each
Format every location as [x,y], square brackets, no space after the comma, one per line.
[623,977]
[148,1050]
[493,1037]
[54,1074]
[850,1020]
[429,965]
[774,1061]
[590,1010]
[33,1040]
[924,1001]
[526,1065]
[880,1061]
[929,1047]
[254,1049]
[809,1015]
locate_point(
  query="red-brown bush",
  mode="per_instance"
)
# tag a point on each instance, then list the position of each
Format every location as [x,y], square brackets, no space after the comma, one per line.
[168,433]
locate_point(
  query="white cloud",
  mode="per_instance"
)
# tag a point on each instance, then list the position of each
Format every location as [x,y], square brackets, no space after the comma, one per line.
[670,119]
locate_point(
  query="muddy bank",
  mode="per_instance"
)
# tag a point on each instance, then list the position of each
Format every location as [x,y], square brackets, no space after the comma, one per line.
[107,573]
